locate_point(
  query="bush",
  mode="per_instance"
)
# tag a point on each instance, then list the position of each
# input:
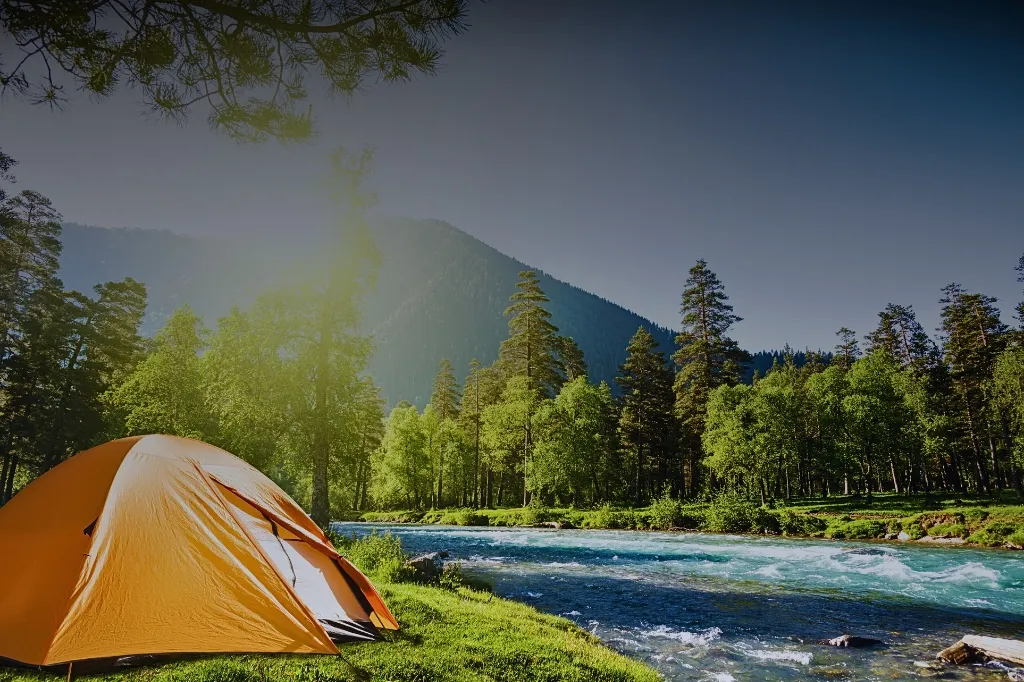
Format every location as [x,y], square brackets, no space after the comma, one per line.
[732,513]
[975,515]
[605,517]
[948,530]
[790,522]
[463,517]
[861,529]
[665,513]
[379,556]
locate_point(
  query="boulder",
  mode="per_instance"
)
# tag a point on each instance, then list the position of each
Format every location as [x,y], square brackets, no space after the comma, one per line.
[851,641]
[903,536]
[428,566]
[560,525]
[959,654]
[891,536]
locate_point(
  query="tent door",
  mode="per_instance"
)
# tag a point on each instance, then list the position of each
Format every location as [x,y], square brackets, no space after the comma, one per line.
[314,576]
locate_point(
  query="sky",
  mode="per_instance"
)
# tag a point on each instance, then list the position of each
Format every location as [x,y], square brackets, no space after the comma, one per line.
[824,158]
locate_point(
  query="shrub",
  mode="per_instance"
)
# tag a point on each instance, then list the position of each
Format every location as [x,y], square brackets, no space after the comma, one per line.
[861,529]
[948,530]
[605,517]
[790,522]
[1016,538]
[732,513]
[463,517]
[975,515]
[379,556]
[665,513]
[914,530]
[451,576]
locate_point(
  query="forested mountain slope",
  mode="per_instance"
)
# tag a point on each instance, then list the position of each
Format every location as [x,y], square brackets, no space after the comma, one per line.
[441,293]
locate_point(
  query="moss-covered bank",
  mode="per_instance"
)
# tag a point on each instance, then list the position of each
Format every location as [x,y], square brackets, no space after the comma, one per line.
[986,523]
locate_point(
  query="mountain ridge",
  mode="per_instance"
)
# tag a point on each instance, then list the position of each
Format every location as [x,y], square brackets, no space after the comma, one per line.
[441,292]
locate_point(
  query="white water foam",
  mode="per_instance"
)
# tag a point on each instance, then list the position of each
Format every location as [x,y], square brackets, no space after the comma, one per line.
[703,638]
[777,655]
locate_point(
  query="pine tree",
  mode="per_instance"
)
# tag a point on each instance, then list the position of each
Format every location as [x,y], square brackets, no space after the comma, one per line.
[973,337]
[444,401]
[571,356]
[902,338]
[445,395]
[706,357]
[532,347]
[847,351]
[647,425]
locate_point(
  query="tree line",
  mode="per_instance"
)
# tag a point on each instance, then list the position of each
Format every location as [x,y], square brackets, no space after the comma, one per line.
[284,385]
[908,413]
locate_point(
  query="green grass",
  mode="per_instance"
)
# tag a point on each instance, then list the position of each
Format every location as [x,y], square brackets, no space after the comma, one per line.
[449,633]
[993,522]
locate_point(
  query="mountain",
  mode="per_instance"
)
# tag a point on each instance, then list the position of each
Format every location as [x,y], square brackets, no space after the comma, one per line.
[441,293]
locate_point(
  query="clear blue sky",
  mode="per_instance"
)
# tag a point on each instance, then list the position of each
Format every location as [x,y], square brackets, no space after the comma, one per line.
[825,158]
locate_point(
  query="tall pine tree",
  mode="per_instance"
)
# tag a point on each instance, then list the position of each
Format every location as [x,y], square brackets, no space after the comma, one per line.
[707,358]
[973,337]
[533,345]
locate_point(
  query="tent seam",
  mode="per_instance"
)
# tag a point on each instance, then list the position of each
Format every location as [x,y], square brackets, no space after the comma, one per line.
[291,591]
[92,542]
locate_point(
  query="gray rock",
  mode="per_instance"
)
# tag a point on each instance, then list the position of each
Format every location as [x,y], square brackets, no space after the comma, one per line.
[851,641]
[891,536]
[942,541]
[428,566]
[903,536]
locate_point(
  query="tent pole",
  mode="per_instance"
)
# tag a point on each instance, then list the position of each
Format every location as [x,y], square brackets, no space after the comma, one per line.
[70,663]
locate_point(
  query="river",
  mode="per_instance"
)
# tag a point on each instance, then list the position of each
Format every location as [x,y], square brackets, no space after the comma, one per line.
[721,607]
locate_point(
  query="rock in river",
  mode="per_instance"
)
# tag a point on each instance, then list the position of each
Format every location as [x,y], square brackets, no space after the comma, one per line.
[851,641]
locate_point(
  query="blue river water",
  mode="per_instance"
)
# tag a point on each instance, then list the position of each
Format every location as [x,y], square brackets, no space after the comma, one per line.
[723,608]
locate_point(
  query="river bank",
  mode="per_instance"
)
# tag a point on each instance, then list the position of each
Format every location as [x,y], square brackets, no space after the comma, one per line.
[936,520]
[716,607]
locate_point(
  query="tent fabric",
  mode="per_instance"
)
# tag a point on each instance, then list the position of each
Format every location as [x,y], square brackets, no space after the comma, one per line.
[159,544]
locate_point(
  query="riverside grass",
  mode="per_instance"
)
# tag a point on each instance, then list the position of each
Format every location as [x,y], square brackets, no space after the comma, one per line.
[449,633]
[997,522]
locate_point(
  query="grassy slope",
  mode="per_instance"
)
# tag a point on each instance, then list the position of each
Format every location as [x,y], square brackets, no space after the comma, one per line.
[991,523]
[446,636]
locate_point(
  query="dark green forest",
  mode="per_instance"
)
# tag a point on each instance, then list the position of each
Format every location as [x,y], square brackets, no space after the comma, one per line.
[290,380]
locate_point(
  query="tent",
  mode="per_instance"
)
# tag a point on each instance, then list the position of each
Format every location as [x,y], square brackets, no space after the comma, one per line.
[159,544]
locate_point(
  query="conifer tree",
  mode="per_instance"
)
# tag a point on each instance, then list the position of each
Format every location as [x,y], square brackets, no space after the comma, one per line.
[902,338]
[445,394]
[706,357]
[444,402]
[847,350]
[571,356]
[647,425]
[973,337]
[532,347]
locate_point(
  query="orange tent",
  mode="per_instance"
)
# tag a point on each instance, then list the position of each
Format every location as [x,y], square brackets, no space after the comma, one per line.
[160,544]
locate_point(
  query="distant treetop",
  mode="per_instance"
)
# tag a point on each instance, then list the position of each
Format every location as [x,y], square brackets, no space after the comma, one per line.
[248,59]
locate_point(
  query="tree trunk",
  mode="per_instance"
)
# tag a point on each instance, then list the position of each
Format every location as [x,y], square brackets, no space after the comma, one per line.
[895,480]
[8,485]
[321,504]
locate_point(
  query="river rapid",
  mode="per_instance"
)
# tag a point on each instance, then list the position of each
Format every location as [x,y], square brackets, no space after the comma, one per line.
[721,607]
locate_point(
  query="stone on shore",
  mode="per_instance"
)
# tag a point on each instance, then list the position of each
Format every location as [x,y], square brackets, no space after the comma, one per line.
[428,566]
[942,541]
